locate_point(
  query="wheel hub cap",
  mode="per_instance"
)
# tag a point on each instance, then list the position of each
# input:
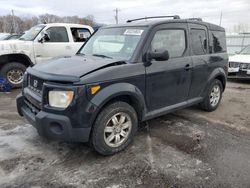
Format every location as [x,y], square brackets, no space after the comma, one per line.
[215,95]
[15,76]
[117,129]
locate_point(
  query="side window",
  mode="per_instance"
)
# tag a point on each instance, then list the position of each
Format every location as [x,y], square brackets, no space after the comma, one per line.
[173,40]
[218,41]
[58,34]
[199,41]
[80,34]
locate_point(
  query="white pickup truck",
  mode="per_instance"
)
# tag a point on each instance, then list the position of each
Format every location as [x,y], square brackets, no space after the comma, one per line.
[239,64]
[40,43]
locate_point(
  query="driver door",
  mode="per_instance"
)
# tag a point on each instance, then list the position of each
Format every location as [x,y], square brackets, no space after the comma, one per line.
[168,82]
[57,46]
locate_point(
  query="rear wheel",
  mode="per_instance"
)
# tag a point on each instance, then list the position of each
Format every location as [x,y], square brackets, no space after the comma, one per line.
[114,128]
[213,96]
[14,73]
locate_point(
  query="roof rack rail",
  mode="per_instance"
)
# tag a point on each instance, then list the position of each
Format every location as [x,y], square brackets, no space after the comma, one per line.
[195,19]
[145,18]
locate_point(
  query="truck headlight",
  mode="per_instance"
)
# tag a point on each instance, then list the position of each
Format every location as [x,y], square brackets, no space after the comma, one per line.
[60,99]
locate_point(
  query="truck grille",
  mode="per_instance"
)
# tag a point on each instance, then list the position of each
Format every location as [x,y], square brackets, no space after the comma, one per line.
[35,84]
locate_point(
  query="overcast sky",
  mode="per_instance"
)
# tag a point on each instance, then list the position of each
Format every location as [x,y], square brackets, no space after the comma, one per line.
[234,11]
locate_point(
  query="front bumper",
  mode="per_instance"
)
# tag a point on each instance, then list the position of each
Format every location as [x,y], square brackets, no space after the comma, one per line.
[240,74]
[52,126]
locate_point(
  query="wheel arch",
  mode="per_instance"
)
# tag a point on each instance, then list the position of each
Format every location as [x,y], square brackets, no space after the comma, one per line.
[20,58]
[120,92]
[219,74]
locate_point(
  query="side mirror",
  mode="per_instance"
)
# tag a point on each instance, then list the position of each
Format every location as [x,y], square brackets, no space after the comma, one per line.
[158,55]
[44,38]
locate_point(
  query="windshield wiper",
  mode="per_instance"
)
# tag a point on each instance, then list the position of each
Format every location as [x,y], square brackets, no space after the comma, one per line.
[80,54]
[103,56]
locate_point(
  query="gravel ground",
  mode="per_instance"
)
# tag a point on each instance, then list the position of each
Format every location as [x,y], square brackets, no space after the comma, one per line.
[188,148]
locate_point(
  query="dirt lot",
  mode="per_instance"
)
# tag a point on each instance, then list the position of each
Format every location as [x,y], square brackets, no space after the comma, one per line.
[189,148]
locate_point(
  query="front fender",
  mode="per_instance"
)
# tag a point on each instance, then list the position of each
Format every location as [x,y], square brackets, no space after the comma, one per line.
[18,48]
[119,89]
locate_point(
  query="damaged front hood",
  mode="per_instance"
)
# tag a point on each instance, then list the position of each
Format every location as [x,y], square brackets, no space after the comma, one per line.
[74,66]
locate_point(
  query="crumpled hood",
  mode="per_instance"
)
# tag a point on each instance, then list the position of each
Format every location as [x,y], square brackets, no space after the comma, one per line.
[14,45]
[73,66]
[240,58]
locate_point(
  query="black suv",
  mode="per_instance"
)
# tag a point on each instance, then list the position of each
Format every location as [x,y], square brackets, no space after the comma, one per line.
[123,75]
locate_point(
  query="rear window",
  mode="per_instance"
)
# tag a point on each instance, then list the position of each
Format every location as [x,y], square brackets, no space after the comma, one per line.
[218,41]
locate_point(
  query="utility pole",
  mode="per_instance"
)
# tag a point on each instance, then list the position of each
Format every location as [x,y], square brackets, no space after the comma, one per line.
[13,22]
[220,17]
[116,15]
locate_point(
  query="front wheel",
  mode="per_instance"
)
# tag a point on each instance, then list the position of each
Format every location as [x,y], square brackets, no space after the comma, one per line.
[14,73]
[213,96]
[114,128]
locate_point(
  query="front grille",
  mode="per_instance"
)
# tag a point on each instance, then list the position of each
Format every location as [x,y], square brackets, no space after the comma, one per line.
[32,107]
[35,84]
[242,66]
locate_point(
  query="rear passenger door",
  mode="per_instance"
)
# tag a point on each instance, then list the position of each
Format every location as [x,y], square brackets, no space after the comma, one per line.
[168,82]
[79,36]
[200,56]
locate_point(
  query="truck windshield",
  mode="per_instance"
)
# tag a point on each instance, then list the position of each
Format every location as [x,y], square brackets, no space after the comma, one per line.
[31,34]
[246,51]
[113,43]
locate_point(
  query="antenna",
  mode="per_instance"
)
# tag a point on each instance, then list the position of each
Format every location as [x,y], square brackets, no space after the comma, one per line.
[220,17]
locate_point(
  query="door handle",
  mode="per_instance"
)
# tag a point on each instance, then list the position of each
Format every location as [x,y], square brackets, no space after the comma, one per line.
[187,67]
[68,47]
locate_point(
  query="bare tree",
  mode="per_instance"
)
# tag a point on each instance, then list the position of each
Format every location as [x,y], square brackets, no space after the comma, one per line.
[24,23]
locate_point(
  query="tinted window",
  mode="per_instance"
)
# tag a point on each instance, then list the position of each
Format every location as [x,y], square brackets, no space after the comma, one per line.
[172,40]
[218,41]
[58,34]
[199,41]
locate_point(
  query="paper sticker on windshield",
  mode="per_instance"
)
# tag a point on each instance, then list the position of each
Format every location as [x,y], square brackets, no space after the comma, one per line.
[133,32]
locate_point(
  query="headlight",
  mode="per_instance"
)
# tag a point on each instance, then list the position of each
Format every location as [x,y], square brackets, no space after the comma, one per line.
[60,99]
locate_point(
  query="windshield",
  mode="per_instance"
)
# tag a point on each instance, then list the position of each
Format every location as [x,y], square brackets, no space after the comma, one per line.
[113,43]
[4,36]
[31,34]
[246,51]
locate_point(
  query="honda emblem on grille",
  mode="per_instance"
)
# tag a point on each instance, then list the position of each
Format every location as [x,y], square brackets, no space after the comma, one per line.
[35,83]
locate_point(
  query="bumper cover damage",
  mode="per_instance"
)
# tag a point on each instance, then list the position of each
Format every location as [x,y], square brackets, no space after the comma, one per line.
[52,126]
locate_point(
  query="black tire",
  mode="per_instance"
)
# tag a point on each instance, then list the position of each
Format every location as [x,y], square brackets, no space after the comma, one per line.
[206,104]
[98,136]
[13,66]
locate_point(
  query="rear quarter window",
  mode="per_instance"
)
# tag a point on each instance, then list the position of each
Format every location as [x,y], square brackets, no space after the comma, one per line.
[218,41]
